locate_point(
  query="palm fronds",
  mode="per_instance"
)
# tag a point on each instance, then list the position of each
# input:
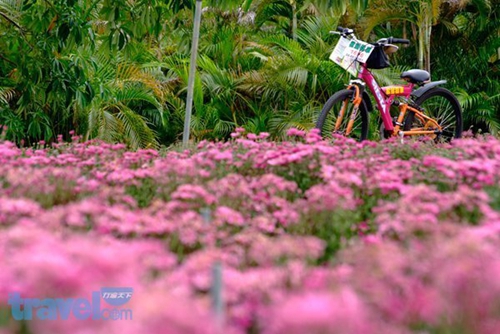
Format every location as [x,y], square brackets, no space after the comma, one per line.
[481,110]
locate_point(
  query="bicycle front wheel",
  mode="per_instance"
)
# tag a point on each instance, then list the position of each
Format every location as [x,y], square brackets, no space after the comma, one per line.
[340,116]
[441,105]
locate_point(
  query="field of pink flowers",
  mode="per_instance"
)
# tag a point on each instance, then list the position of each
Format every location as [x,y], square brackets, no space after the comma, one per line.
[312,237]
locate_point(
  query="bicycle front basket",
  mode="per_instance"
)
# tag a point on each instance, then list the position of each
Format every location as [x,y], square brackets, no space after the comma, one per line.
[377,59]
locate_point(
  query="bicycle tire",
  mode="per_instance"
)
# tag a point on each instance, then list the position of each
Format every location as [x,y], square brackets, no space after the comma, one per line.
[428,103]
[328,116]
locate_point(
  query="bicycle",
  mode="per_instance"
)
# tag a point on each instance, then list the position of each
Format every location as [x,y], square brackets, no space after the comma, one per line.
[425,108]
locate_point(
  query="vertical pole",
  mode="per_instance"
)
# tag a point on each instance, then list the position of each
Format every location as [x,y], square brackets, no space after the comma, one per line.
[206,214]
[192,72]
[217,297]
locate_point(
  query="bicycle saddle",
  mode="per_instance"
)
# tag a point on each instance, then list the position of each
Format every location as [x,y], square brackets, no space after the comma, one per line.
[416,76]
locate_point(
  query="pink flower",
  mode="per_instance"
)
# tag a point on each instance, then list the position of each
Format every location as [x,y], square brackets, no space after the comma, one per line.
[263,135]
[193,192]
[229,216]
[252,136]
[293,132]
[313,136]
[320,312]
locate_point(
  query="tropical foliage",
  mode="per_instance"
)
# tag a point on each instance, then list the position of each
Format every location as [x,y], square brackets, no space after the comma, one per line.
[117,70]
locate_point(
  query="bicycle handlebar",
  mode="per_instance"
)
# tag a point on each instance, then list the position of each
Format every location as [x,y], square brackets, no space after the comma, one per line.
[391,40]
[345,31]
[394,40]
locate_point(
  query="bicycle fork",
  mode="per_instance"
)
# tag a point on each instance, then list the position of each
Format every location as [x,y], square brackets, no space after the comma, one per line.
[356,102]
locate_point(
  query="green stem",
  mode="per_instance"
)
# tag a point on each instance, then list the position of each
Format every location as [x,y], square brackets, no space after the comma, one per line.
[294,20]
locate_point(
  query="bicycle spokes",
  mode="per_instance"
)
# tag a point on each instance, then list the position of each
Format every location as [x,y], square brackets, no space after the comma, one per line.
[438,116]
[347,122]
[342,116]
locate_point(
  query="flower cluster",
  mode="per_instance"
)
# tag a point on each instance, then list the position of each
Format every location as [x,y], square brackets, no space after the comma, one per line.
[311,236]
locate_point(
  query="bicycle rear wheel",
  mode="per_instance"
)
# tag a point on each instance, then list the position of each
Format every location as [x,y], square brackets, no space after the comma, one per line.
[441,105]
[336,114]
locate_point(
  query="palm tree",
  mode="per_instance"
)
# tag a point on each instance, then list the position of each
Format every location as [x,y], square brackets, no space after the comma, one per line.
[473,41]
[129,101]
[286,14]
[296,77]
[423,14]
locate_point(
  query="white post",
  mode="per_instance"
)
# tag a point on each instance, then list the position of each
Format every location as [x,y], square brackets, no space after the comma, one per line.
[192,72]
[218,297]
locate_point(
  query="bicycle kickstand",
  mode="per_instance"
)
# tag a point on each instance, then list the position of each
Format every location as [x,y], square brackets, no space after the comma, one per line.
[402,135]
